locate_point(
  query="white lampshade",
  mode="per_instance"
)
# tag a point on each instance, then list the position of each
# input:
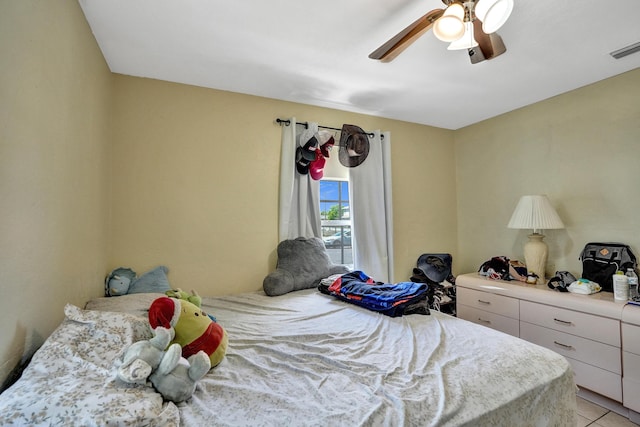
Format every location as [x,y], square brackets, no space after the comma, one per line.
[467,41]
[450,26]
[535,213]
[493,13]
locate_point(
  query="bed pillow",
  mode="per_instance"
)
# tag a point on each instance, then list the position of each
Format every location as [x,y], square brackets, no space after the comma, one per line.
[302,263]
[152,281]
[136,304]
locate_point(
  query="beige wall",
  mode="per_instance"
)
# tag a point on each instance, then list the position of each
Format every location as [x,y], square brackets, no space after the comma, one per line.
[581,148]
[195,183]
[54,133]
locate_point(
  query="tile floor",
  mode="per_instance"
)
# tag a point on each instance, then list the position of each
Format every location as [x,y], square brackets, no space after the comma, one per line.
[590,414]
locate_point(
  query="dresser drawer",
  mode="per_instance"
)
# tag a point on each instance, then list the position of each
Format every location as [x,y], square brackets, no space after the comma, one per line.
[631,339]
[595,379]
[631,394]
[594,353]
[631,366]
[486,318]
[498,304]
[596,328]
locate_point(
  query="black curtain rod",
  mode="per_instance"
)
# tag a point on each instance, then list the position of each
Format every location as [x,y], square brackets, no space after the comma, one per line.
[306,126]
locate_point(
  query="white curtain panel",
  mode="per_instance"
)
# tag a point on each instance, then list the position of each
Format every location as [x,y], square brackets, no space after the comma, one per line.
[371,210]
[299,214]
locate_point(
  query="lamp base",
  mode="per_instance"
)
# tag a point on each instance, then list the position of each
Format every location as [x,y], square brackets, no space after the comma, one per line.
[535,256]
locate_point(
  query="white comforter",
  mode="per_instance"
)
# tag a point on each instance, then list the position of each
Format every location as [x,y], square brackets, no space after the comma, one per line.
[309,359]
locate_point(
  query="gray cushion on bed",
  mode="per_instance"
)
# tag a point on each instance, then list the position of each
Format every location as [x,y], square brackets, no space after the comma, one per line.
[152,281]
[302,263]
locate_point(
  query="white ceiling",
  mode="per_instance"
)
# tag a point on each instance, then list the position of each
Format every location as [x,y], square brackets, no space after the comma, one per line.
[315,52]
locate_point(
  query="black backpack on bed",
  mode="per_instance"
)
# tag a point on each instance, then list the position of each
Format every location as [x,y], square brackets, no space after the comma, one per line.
[600,261]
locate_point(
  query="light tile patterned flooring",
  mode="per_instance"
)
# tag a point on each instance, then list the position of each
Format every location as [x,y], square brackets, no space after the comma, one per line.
[590,414]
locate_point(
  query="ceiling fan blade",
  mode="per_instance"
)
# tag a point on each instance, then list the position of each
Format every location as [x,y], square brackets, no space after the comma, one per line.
[489,45]
[403,39]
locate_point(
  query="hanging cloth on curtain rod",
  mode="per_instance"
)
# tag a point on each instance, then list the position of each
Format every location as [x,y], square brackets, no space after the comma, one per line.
[306,126]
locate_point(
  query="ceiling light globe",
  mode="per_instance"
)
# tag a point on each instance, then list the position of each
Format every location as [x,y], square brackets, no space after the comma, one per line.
[448,28]
[455,9]
[493,13]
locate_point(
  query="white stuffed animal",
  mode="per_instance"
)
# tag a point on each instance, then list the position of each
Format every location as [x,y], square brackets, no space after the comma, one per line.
[173,376]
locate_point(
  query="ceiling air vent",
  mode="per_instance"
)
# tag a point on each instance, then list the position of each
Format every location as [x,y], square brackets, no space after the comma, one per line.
[627,50]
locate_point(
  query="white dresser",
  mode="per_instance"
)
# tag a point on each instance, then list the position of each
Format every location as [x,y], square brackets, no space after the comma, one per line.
[631,357]
[599,337]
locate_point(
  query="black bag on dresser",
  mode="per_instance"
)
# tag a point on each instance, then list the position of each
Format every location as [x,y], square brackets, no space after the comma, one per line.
[600,261]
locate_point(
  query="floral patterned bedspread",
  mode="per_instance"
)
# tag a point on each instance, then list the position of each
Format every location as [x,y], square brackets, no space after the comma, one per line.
[302,359]
[71,380]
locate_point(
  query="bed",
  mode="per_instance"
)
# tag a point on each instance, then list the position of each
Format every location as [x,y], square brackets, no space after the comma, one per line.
[303,358]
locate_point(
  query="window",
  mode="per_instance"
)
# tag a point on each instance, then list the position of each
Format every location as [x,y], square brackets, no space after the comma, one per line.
[336,221]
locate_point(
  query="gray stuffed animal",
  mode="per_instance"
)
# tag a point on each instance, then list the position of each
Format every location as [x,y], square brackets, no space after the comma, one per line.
[176,377]
[302,263]
[173,376]
[142,357]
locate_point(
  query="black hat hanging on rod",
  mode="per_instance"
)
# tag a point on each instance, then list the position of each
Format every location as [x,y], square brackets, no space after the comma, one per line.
[354,146]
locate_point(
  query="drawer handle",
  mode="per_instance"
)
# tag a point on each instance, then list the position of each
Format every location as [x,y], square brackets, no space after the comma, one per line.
[484,321]
[568,347]
[564,322]
[483,302]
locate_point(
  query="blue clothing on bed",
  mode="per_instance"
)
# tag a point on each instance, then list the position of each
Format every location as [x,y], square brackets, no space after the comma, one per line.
[390,299]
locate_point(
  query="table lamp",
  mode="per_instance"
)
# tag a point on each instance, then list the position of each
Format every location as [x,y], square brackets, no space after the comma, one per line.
[535,213]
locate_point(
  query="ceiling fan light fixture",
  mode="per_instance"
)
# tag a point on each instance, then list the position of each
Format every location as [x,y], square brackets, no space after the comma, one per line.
[450,26]
[458,24]
[467,41]
[493,13]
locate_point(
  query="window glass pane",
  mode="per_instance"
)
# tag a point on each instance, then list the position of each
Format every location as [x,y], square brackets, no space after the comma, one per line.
[345,211]
[326,209]
[344,188]
[329,190]
[337,237]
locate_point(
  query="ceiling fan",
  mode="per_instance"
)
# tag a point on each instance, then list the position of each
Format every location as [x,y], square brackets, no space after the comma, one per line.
[466,24]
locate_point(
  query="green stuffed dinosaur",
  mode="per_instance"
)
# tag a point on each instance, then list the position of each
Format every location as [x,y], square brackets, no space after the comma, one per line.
[178,293]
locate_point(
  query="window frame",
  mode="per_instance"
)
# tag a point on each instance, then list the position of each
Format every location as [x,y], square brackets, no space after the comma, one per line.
[342,225]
